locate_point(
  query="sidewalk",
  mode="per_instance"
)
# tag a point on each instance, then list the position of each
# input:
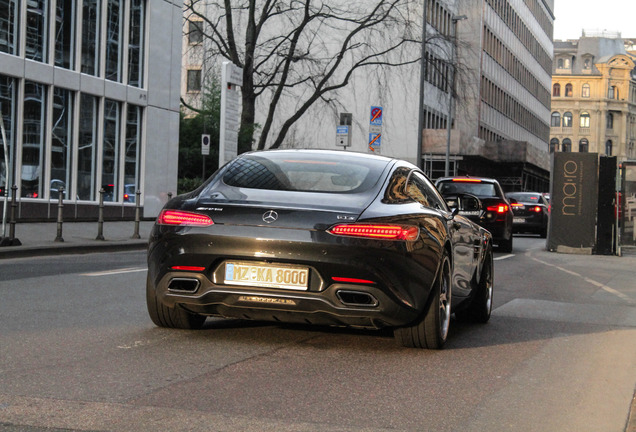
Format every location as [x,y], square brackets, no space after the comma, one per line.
[79,237]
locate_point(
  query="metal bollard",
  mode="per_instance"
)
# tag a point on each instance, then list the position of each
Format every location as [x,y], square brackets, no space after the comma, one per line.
[14,206]
[137,215]
[60,208]
[100,219]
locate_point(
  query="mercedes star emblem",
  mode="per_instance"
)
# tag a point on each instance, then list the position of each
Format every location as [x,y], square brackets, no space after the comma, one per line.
[270,216]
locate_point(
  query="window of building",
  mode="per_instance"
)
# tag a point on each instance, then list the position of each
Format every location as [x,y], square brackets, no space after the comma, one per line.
[33,140]
[136,43]
[9,18]
[567,119]
[608,147]
[131,158]
[587,63]
[585,120]
[7,105]
[556,90]
[610,121]
[61,142]
[87,147]
[195,32]
[36,30]
[585,91]
[563,63]
[110,151]
[612,92]
[555,119]
[194,80]
[91,17]
[114,18]
[554,145]
[567,145]
[584,146]
[568,90]
[65,33]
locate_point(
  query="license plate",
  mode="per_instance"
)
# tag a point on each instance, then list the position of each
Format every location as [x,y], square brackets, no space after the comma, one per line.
[266,275]
[518,220]
[469,213]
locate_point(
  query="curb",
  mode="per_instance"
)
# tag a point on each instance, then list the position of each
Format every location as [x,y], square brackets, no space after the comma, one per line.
[9,252]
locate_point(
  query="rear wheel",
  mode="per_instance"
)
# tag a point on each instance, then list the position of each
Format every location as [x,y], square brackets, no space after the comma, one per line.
[164,316]
[431,331]
[481,305]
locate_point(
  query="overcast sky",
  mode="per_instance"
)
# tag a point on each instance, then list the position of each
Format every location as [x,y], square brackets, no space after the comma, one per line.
[572,16]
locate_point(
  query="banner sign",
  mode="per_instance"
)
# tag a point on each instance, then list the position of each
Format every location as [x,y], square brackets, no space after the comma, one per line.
[573,201]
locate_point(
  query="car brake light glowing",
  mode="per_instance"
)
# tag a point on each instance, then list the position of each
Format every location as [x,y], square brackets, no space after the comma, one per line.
[536,209]
[499,208]
[188,268]
[516,205]
[183,218]
[352,280]
[377,231]
[466,180]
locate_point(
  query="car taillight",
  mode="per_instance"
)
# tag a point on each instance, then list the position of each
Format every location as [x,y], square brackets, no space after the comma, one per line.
[183,218]
[466,180]
[536,209]
[516,205]
[188,268]
[377,231]
[499,208]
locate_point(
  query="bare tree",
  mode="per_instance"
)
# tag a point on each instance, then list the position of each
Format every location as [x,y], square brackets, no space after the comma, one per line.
[303,49]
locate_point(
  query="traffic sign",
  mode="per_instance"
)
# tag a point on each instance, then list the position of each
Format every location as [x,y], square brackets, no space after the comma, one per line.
[205,145]
[375,141]
[376,116]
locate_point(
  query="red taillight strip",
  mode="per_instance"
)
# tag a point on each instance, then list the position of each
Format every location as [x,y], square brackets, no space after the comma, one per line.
[188,268]
[351,280]
[178,217]
[377,231]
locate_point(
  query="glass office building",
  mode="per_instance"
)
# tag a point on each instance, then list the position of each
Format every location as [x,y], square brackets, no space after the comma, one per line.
[89,95]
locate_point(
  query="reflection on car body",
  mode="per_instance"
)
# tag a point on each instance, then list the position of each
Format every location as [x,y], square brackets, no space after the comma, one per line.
[319,237]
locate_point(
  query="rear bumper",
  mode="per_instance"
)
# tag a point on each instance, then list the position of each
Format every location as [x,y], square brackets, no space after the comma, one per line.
[397,294]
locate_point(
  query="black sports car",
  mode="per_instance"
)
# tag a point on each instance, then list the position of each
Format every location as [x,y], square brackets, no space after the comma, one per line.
[494,213]
[320,237]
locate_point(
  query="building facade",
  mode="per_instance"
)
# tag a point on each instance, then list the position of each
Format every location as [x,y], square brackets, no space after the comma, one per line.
[486,94]
[501,124]
[89,93]
[594,96]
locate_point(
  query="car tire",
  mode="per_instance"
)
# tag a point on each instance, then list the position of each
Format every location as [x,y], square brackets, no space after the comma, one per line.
[506,244]
[431,332]
[164,316]
[480,307]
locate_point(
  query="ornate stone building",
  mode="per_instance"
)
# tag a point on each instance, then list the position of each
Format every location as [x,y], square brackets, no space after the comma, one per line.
[594,96]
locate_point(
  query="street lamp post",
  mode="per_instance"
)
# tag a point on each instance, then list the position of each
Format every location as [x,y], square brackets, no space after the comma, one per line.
[423,70]
[451,88]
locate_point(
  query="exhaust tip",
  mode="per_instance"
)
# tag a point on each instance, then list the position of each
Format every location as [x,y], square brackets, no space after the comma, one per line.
[189,285]
[356,298]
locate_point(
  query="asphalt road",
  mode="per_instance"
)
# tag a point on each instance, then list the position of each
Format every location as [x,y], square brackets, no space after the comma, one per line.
[78,352]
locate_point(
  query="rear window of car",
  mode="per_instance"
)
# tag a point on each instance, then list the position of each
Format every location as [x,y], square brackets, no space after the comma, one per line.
[526,197]
[290,171]
[476,188]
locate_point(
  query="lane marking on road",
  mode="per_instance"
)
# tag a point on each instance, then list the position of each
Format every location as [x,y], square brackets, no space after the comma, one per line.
[503,257]
[586,279]
[115,272]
